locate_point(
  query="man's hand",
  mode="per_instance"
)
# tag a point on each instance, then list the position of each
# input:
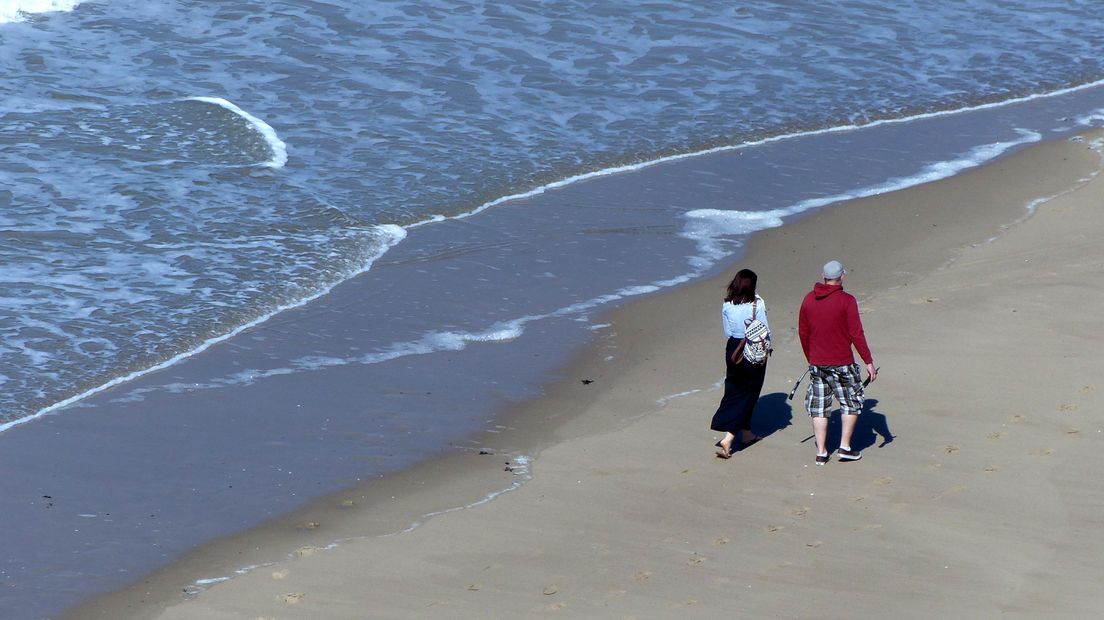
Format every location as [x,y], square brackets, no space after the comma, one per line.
[871,373]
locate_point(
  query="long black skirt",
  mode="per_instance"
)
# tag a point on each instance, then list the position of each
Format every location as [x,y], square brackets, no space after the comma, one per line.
[743,383]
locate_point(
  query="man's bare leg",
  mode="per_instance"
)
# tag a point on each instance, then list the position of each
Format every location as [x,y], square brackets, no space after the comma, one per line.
[849,422]
[820,433]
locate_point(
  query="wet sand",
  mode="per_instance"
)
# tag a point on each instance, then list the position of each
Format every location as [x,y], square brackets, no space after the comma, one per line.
[975,496]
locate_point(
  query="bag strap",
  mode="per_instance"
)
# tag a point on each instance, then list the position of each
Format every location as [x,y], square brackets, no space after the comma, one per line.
[739,352]
[754,307]
[740,349]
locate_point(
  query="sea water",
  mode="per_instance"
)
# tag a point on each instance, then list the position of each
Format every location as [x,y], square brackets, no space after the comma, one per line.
[175,174]
[171,171]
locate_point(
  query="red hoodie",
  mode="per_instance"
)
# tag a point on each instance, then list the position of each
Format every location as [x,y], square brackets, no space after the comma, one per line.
[829,324]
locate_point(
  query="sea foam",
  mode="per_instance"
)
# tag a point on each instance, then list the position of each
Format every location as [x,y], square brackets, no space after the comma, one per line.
[715,230]
[279,149]
[17,10]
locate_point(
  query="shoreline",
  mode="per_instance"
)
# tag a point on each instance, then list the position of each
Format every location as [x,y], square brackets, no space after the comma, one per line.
[398,231]
[627,395]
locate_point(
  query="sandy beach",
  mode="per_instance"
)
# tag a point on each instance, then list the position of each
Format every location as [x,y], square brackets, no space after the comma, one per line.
[975,498]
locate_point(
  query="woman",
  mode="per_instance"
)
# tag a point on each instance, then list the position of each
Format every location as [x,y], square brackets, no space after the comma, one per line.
[743,379]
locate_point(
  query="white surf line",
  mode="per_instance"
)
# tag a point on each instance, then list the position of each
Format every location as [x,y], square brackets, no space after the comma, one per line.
[1096,146]
[936,171]
[746,145]
[662,401]
[434,342]
[279,149]
[392,235]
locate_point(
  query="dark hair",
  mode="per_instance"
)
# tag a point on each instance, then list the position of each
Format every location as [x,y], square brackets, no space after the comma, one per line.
[741,289]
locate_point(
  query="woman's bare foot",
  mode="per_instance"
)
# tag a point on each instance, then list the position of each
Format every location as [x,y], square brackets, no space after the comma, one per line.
[725,445]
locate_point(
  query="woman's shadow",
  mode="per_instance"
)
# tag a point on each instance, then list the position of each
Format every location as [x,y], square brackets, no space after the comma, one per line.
[772,414]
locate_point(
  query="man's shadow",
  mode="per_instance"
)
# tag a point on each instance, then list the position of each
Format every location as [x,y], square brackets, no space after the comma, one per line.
[870,426]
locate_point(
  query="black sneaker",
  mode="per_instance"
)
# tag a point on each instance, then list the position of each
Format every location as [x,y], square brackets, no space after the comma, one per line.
[821,459]
[849,455]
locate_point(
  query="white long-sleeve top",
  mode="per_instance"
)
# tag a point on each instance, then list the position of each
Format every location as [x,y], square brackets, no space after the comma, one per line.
[734,315]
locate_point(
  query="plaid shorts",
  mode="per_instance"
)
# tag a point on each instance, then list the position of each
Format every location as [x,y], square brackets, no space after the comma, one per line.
[843,381]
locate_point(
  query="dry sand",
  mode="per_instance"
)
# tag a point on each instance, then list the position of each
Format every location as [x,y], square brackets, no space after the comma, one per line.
[977,496]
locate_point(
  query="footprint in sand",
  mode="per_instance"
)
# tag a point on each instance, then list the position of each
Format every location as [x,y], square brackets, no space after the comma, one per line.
[280,574]
[309,525]
[950,449]
[857,498]
[774,528]
[1072,431]
[951,491]
[475,587]
[996,435]
[800,512]
[550,590]
[1016,418]
[814,544]
[883,480]
[990,468]
[720,541]
[306,550]
[934,466]
[1042,452]
[1067,407]
[695,559]
[641,575]
[1088,388]
[292,598]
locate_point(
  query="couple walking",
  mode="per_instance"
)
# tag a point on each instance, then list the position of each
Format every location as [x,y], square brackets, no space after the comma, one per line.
[828,325]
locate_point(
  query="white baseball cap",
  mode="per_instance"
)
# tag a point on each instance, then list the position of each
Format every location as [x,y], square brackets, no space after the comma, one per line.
[833,270]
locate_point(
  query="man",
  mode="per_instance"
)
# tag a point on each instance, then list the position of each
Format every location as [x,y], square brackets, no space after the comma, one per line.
[829,326]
